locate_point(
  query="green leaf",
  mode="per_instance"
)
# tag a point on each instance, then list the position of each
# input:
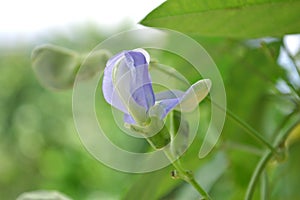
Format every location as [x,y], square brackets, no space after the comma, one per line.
[239,19]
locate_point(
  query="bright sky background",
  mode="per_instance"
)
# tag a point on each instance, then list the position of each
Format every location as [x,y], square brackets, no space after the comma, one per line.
[27,17]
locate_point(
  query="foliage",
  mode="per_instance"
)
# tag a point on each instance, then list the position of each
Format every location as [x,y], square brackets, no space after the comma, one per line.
[40,149]
[228,18]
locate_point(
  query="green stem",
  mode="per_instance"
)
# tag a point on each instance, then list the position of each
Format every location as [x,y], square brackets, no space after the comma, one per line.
[243,124]
[257,172]
[251,131]
[242,147]
[291,86]
[187,176]
[266,158]
[182,173]
[264,186]
[292,59]
[294,92]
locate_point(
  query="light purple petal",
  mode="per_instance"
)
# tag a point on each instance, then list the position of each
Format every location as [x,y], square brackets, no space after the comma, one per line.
[167,105]
[137,58]
[127,84]
[141,86]
[128,119]
[168,94]
[182,101]
[166,101]
[109,93]
[113,60]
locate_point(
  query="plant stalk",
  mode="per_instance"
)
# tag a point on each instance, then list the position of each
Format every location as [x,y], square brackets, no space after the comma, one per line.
[187,176]
[251,131]
[280,139]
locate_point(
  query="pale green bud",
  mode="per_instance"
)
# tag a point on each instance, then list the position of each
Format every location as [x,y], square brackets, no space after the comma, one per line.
[55,66]
[92,63]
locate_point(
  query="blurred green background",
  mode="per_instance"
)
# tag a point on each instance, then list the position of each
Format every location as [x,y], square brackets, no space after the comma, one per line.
[40,149]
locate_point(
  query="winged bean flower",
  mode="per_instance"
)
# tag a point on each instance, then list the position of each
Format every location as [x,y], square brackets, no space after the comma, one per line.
[127,86]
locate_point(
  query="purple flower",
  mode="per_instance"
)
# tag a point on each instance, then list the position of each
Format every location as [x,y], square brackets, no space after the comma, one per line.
[127,86]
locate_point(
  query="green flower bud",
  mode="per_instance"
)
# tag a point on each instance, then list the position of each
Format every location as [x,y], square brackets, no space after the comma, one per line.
[55,66]
[93,63]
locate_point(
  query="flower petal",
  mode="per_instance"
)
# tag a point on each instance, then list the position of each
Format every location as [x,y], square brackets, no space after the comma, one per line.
[163,107]
[108,88]
[165,102]
[128,119]
[124,85]
[141,86]
[145,53]
[169,94]
[127,84]
[194,95]
[182,101]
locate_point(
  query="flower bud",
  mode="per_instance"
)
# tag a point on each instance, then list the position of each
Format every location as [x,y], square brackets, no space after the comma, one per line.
[55,66]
